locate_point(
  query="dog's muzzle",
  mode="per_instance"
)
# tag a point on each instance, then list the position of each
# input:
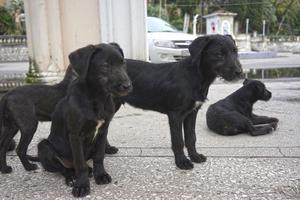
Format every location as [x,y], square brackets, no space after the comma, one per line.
[123,89]
[267,96]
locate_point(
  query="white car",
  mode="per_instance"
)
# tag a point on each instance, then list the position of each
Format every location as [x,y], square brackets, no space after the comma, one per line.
[166,43]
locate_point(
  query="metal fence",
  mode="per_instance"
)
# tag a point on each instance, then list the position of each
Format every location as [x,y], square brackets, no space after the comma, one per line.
[13,48]
[11,81]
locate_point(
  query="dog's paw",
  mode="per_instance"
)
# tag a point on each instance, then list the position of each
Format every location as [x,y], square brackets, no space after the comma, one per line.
[198,158]
[30,167]
[6,170]
[80,191]
[274,125]
[111,150]
[69,181]
[184,163]
[103,179]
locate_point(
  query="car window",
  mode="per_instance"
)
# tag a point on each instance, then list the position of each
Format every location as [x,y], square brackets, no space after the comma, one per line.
[158,25]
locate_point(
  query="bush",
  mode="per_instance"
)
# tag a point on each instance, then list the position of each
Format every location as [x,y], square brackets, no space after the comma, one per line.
[7,23]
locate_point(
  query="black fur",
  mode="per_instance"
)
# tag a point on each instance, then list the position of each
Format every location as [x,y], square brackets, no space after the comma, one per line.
[234,115]
[21,109]
[178,89]
[74,136]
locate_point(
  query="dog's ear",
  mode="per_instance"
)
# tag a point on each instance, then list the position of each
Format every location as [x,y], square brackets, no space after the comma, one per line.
[246,81]
[231,38]
[197,47]
[80,60]
[117,46]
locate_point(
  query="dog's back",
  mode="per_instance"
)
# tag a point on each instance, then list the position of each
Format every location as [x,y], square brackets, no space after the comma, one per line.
[159,87]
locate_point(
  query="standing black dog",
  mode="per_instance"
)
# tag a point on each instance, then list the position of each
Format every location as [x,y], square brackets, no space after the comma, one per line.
[179,89]
[233,115]
[87,107]
[21,109]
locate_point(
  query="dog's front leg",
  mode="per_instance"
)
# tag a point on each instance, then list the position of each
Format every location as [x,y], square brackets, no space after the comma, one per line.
[175,122]
[100,175]
[82,184]
[256,120]
[189,124]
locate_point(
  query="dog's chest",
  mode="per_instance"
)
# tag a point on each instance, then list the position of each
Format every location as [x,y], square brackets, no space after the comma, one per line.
[198,104]
[99,123]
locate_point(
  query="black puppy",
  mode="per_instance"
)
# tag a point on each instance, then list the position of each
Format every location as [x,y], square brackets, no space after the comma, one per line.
[233,115]
[179,89]
[87,107]
[21,109]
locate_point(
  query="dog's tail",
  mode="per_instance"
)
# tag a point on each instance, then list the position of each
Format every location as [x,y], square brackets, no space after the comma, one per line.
[33,158]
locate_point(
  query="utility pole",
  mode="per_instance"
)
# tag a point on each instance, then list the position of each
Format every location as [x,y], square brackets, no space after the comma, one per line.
[201,16]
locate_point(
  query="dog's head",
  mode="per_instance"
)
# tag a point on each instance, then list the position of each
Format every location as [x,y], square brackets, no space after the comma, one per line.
[102,67]
[217,53]
[259,89]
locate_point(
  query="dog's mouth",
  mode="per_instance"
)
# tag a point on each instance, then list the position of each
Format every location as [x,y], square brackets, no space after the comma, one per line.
[267,96]
[122,89]
[232,76]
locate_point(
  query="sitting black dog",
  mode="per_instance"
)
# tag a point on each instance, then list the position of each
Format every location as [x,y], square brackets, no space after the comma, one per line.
[233,115]
[21,109]
[178,89]
[87,107]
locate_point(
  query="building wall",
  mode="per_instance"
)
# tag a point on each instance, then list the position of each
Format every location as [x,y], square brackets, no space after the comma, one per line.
[2,2]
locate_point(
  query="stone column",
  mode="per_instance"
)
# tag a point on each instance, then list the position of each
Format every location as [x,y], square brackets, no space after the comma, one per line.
[37,38]
[55,28]
[124,22]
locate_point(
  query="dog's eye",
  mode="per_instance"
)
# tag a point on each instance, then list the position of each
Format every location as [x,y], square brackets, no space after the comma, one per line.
[106,65]
[235,50]
[221,54]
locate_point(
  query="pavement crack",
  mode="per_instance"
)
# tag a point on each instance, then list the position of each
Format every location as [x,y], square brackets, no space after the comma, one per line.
[280,151]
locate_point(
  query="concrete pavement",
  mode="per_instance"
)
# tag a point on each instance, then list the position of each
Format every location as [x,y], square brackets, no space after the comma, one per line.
[238,167]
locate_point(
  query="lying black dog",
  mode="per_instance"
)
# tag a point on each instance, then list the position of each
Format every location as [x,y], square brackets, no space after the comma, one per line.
[233,115]
[87,107]
[179,89]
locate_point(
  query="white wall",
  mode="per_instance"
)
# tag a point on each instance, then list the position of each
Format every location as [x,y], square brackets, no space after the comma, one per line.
[123,21]
[57,27]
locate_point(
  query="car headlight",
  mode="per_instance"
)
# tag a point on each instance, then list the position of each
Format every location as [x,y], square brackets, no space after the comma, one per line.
[164,43]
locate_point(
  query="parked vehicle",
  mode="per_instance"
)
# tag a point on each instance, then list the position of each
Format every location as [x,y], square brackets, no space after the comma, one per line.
[165,42]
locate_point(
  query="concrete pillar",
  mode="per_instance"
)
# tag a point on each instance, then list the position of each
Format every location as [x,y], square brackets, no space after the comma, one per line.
[37,33]
[124,22]
[55,28]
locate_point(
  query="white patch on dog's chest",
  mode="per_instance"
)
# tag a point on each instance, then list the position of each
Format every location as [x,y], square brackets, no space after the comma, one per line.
[198,104]
[99,124]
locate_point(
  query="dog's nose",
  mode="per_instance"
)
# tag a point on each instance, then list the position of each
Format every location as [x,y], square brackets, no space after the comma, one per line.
[239,71]
[125,86]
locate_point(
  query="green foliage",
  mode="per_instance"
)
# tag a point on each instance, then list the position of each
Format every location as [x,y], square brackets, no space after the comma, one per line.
[154,11]
[7,24]
[256,11]
[16,5]
[281,16]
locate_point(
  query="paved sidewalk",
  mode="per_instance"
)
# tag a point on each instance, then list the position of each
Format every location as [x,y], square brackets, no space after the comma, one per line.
[238,167]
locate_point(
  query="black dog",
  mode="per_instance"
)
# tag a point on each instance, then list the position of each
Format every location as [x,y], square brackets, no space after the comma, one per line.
[87,107]
[21,109]
[179,89]
[233,115]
